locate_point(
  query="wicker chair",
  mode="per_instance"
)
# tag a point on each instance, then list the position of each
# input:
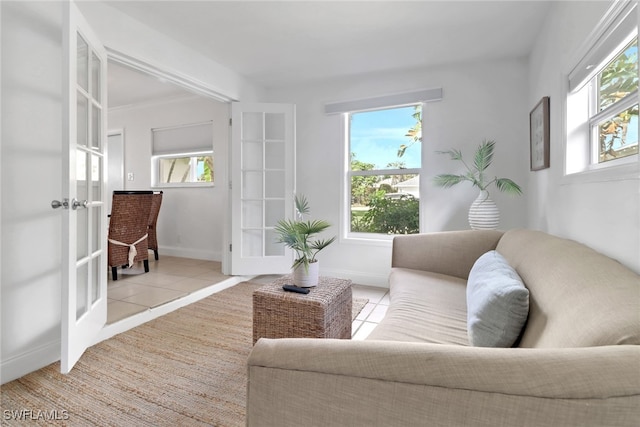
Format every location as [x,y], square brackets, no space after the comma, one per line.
[156,201]
[128,229]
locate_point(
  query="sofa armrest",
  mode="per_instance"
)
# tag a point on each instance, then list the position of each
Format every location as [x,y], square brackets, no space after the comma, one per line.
[312,382]
[449,252]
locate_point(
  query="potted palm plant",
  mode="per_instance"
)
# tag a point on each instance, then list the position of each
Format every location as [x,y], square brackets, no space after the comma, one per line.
[483,213]
[299,235]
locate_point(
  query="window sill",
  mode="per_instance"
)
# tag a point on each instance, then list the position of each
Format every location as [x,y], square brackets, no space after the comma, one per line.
[369,239]
[624,172]
[184,185]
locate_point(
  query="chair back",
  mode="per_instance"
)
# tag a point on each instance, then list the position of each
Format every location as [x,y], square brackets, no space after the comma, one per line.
[129,223]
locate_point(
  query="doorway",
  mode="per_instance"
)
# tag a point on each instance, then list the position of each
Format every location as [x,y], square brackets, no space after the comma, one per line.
[190,252]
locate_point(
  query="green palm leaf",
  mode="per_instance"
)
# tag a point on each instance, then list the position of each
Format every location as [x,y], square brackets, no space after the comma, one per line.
[297,234]
[449,180]
[508,186]
[484,156]
[476,174]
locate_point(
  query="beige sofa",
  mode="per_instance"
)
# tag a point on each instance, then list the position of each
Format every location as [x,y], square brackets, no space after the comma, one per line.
[577,361]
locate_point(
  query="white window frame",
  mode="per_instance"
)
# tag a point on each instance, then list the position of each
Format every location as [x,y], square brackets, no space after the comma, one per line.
[580,139]
[187,140]
[346,210]
[398,100]
[155,170]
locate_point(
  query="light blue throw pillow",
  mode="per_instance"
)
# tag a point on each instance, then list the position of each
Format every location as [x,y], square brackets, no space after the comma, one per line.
[497,302]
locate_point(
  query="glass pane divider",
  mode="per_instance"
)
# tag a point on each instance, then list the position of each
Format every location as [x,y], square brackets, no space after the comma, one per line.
[412,171]
[628,101]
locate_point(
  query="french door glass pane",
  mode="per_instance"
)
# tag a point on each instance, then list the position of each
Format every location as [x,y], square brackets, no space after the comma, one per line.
[96,175]
[252,185]
[274,212]
[96,181]
[274,126]
[96,215]
[81,175]
[82,278]
[81,241]
[272,246]
[83,63]
[274,184]
[252,155]
[96,113]
[83,120]
[251,243]
[95,279]
[274,155]
[252,126]
[252,214]
[95,77]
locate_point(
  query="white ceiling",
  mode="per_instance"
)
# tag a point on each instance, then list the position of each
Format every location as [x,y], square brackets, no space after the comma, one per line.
[129,87]
[276,43]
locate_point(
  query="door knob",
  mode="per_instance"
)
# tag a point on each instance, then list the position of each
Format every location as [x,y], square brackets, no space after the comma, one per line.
[55,204]
[75,204]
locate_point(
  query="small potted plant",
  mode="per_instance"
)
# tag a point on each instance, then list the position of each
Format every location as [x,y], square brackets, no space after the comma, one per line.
[483,213]
[298,235]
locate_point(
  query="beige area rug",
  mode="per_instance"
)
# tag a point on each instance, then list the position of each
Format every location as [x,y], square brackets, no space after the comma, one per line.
[185,368]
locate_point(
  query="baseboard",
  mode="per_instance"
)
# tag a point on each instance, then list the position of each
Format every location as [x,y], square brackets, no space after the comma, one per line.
[38,358]
[357,277]
[24,364]
[190,253]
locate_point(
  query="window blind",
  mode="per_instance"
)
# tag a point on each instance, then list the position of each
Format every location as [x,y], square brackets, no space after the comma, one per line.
[622,28]
[395,100]
[190,138]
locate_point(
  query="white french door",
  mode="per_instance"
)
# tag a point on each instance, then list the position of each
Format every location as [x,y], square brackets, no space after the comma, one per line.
[262,186]
[84,243]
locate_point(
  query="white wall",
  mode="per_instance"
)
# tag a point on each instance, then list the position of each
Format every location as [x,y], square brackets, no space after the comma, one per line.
[32,163]
[604,214]
[191,220]
[481,100]
[128,36]
[31,178]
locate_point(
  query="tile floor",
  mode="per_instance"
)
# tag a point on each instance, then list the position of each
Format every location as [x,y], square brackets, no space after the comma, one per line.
[372,313]
[170,278]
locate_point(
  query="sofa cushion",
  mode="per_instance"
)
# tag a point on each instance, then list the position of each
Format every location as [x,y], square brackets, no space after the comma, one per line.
[578,297]
[425,307]
[497,302]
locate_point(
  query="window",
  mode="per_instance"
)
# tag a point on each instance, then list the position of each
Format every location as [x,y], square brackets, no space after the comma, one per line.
[614,114]
[179,169]
[383,157]
[183,156]
[602,104]
[384,170]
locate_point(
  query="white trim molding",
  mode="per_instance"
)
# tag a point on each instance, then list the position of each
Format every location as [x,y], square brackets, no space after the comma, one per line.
[385,101]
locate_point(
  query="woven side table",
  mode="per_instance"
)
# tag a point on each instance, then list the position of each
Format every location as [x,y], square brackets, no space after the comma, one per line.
[325,312]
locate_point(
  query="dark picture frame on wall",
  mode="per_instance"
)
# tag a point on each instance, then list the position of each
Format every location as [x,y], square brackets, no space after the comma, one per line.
[539,135]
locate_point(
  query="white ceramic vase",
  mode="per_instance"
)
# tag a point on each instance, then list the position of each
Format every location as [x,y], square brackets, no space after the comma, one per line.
[306,279]
[483,213]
